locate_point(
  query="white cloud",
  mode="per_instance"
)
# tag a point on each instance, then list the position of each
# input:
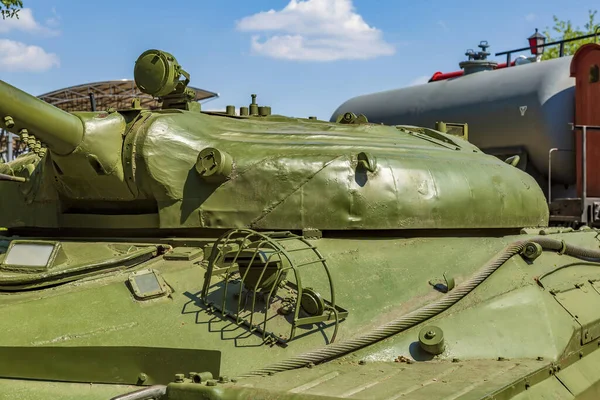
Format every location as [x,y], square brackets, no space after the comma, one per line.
[54,21]
[27,23]
[17,56]
[530,17]
[421,80]
[315,30]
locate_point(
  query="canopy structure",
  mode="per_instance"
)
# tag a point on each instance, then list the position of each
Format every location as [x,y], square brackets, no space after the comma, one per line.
[117,94]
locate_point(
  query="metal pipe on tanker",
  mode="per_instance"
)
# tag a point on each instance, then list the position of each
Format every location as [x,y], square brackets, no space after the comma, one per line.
[584,161]
[550,174]
[584,172]
[442,76]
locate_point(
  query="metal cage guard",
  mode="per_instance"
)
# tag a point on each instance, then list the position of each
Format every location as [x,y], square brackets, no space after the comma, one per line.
[240,252]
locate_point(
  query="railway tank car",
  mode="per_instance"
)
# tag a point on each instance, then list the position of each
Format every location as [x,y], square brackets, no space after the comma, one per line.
[532,109]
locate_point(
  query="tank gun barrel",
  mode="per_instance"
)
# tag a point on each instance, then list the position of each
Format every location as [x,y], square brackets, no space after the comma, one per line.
[60,131]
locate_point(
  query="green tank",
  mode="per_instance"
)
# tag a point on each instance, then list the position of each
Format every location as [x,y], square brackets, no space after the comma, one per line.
[178,254]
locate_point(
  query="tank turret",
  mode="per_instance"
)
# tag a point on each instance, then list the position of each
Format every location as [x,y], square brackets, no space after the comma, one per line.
[181,168]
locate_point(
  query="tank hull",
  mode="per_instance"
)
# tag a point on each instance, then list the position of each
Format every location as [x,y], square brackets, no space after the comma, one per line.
[529,107]
[501,338]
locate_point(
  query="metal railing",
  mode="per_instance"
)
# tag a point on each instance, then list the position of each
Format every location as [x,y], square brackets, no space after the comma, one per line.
[561,43]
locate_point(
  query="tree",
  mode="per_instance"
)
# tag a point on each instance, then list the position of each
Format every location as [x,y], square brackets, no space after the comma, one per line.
[565,30]
[10,8]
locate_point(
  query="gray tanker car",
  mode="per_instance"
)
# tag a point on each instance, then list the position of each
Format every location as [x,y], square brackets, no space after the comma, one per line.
[527,110]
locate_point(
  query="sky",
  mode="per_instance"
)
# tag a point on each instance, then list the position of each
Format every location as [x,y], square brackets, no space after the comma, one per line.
[301,57]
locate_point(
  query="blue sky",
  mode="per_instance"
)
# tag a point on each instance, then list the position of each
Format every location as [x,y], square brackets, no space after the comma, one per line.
[304,58]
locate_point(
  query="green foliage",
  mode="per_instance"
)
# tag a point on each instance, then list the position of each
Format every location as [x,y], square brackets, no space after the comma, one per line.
[565,30]
[10,8]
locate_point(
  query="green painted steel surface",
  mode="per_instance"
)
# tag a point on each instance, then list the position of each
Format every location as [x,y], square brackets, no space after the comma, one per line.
[509,317]
[190,250]
[59,129]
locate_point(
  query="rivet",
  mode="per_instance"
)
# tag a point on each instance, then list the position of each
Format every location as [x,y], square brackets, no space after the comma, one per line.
[179,378]
[142,377]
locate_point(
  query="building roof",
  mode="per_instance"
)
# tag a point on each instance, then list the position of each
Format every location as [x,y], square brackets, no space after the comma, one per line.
[117,94]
